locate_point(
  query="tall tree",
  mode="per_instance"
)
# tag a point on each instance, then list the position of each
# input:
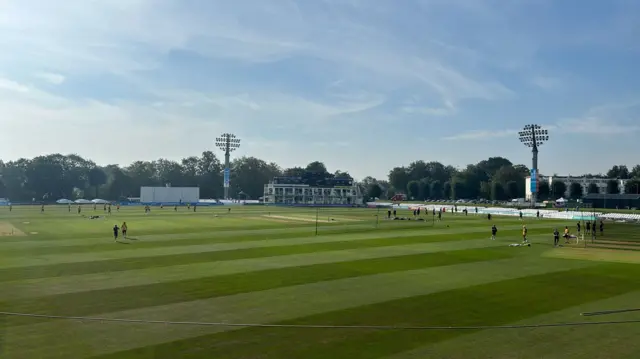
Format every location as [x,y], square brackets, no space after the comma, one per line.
[374,191]
[485,190]
[613,187]
[425,189]
[593,188]
[249,175]
[399,178]
[413,190]
[295,172]
[497,191]
[575,190]
[630,187]
[458,189]
[342,174]
[97,178]
[317,167]
[493,164]
[512,190]
[446,190]
[437,190]
[558,189]
[544,190]
[635,172]
[618,171]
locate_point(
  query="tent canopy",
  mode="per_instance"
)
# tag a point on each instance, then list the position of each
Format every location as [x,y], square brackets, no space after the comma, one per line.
[99,201]
[64,201]
[561,200]
[82,201]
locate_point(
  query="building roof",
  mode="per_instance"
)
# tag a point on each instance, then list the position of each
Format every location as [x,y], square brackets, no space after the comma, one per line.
[612,196]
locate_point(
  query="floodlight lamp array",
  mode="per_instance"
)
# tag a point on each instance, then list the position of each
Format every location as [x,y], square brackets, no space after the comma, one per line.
[533,135]
[228,141]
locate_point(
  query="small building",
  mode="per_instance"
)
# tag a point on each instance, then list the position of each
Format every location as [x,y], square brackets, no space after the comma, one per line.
[585,182]
[312,190]
[612,201]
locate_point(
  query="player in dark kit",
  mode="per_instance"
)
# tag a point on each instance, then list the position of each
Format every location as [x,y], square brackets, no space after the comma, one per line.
[115,232]
[556,237]
[494,230]
[588,227]
[578,228]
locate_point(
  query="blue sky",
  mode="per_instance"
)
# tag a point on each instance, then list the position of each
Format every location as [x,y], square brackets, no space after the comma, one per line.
[361,85]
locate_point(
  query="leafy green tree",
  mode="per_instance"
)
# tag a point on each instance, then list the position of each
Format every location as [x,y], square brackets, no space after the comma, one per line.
[374,191]
[317,167]
[558,189]
[446,190]
[425,189]
[630,187]
[593,188]
[399,178]
[512,190]
[497,191]
[458,189]
[437,190]
[575,190]
[618,171]
[413,190]
[544,191]
[97,178]
[613,187]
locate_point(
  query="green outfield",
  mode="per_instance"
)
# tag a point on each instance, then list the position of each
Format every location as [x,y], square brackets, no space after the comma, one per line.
[335,268]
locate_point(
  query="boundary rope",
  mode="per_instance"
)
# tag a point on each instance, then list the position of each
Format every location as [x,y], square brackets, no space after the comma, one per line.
[319,326]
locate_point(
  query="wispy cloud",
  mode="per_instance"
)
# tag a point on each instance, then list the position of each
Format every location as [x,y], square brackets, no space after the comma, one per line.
[286,73]
[55,79]
[6,84]
[481,135]
[547,83]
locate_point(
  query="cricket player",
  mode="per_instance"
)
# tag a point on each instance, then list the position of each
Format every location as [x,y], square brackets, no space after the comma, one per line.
[115,232]
[494,230]
[524,234]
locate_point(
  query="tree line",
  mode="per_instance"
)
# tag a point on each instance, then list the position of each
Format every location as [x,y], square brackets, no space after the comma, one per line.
[55,176]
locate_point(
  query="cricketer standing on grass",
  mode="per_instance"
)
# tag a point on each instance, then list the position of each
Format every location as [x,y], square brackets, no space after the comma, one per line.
[524,234]
[494,230]
[115,232]
[556,237]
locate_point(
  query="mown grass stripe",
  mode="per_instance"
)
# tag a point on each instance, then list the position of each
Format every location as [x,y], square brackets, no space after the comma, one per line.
[117,299]
[230,251]
[589,342]
[218,242]
[106,280]
[62,339]
[487,304]
[30,260]
[225,236]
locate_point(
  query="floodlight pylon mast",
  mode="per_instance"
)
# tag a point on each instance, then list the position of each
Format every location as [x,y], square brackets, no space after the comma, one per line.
[228,143]
[534,136]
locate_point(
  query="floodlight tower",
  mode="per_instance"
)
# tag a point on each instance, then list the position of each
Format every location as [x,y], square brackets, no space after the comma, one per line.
[534,136]
[228,143]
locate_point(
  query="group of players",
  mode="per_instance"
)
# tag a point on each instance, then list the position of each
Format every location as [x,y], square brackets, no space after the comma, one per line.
[590,230]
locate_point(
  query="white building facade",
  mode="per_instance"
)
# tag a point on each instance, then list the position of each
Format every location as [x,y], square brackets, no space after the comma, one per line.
[568,180]
[291,193]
